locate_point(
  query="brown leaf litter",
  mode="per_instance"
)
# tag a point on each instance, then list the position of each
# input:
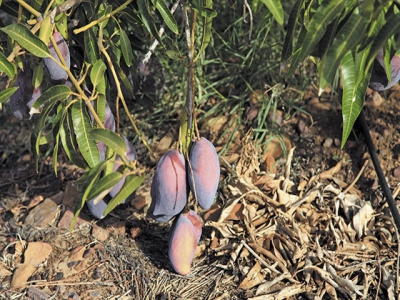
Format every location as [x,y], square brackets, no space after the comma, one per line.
[274,236]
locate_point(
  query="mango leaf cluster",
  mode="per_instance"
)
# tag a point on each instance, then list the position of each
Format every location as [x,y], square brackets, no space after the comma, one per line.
[106,42]
[346,36]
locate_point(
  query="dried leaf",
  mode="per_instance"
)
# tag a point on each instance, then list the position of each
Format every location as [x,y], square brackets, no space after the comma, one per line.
[253,278]
[363,216]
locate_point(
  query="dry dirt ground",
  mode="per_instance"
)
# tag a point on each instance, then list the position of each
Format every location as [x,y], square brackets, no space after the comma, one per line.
[311,224]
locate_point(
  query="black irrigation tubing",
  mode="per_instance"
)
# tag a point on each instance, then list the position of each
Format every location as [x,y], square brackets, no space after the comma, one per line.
[382,180]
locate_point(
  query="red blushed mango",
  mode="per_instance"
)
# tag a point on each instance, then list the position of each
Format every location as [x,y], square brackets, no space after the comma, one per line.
[57,74]
[206,171]
[184,237]
[169,188]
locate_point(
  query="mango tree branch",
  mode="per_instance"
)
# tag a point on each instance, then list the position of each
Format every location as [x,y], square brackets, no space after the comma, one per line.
[121,97]
[107,16]
[29,8]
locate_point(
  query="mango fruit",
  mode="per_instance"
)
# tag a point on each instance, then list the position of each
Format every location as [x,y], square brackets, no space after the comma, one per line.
[57,74]
[184,237]
[20,99]
[169,187]
[206,170]
[379,80]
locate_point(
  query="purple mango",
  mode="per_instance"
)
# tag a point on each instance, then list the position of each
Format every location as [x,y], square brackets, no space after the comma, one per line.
[206,170]
[20,99]
[379,80]
[183,240]
[57,74]
[169,187]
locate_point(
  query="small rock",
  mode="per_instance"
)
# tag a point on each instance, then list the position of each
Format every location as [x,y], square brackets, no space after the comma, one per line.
[396,172]
[376,99]
[337,142]
[301,126]
[66,219]
[135,232]
[99,233]
[118,228]
[140,201]
[275,116]
[70,195]
[43,214]
[328,143]
[35,254]
[314,100]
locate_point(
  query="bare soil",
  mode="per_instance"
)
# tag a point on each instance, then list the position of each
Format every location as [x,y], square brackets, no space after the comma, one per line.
[301,232]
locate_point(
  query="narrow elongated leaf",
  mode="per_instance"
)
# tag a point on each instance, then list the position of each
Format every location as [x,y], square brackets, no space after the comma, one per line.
[276,9]
[353,95]
[110,139]
[132,182]
[91,47]
[6,66]
[166,15]
[69,142]
[27,40]
[97,72]
[126,48]
[53,94]
[105,184]
[324,15]
[82,127]
[37,77]
[40,123]
[4,95]
[147,18]
[207,27]
[288,44]
[346,39]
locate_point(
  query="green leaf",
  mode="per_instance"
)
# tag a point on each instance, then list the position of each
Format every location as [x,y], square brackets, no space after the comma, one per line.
[353,95]
[39,126]
[207,27]
[53,94]
[346,39]
[27,40]
[110,139]
[69,142]
[288,44]
[86,183]
[126,48]
[324,15]
[132,182]
[105,184]
[97,72]
[37,76]
[91,47]
[103,11]
[56,126]
[147,19]
[167,16]
[4,95]
[6,66]
[82,127]
[275,7]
